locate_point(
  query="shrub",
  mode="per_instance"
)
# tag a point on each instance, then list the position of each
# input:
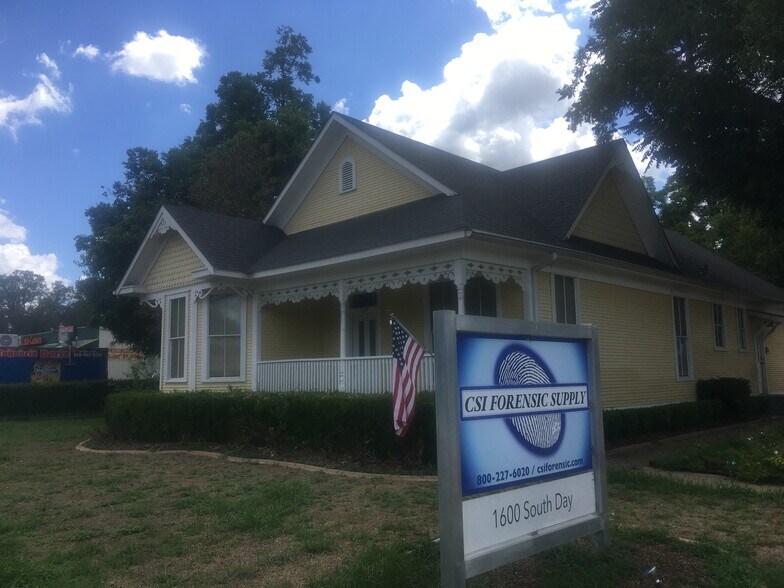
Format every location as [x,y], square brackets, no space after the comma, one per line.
[359,425]
[49,399]
[628,423]
[733,392]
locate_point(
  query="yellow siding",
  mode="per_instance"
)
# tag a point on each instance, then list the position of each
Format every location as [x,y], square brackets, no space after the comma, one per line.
[775,361]
[636,345]
[307,330]
[710,362]
[174,266]
[544,296]
[378,184]
[607,220]
[408,305]
[249,360]
[511,300]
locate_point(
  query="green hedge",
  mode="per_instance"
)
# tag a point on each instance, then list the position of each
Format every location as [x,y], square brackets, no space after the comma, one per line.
[50,399]
[735,393]
[360,425]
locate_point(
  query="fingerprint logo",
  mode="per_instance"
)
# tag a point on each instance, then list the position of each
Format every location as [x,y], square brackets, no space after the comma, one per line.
[540,432]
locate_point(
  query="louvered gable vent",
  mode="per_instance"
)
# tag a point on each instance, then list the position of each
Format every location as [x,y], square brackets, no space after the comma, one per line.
[348,177]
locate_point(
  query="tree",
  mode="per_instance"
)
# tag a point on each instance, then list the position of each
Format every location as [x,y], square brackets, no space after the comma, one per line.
[28,305]
[700,83]
[242,153]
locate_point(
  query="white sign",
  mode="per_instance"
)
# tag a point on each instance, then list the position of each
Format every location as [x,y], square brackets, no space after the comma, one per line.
[492,520]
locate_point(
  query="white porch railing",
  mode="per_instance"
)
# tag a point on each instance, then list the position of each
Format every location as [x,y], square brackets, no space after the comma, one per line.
[361,375]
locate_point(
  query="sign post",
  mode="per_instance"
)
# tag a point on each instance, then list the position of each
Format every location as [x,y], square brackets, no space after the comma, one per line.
[520,440]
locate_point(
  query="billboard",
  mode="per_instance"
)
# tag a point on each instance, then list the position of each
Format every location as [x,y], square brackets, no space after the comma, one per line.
[46,366]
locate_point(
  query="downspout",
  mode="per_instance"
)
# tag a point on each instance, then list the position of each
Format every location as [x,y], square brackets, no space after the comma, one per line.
[533,305]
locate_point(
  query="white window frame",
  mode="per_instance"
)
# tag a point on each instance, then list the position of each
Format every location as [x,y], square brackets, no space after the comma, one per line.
[554,297]
[719,327]
[184,337]
[205,330]
[341,186]
[743,331]
[686,338]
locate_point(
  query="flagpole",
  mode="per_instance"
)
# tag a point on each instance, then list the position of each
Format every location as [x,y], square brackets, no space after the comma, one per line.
[402,326]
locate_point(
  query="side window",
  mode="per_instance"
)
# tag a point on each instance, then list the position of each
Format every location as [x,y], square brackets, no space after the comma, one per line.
[682,345]
[565,300]
[225,336]
[480,297]
[719,334]
[743,344]
[176,336]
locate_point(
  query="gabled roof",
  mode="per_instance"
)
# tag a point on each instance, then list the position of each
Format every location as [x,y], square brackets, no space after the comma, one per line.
[539,204]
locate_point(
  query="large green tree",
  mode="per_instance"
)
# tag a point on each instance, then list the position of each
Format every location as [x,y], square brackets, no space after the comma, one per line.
[700,83]
[241,155]
[28,305]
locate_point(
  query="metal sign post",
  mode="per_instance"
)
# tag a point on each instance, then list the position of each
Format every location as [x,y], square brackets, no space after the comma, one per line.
[520,440]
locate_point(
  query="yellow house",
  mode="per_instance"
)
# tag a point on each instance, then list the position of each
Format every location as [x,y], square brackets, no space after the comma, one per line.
[372,223]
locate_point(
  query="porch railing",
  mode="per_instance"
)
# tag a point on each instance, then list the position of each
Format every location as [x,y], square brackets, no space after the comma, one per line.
[360,375]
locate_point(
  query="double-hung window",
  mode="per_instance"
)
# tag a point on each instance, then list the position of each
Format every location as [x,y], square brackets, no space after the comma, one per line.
[225,336]
[743,344]
[719,333]
[176,339]
[565,300]
[682,346]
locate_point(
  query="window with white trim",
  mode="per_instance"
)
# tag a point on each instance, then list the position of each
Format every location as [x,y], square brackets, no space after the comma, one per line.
[719,333]
[347,176]
[225,336]
[176,338]
[481,298]
[682,345]
[743,344]
[565,300]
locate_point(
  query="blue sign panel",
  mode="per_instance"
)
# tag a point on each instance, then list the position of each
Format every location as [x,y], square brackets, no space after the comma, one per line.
[524,410]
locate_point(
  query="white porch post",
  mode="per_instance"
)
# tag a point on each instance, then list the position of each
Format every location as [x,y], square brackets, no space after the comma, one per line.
[342,299]
[460,281]
[529,284]
[256,349]
[193,342]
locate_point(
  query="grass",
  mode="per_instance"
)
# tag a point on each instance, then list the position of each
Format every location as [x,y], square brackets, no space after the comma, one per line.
[756,457]
[70,518]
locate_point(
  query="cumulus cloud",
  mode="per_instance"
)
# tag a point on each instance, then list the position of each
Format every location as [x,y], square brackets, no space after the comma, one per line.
[162,57]
[497,102]
[89,52]
[15,255]
[45,97]
[340,106]
[186,108]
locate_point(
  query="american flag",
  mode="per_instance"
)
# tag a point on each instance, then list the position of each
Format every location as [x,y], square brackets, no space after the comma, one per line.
[406,356]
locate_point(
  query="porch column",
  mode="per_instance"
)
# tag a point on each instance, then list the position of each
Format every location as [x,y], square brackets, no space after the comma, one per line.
[193,325]
[256,350]
[342,299]
[460,281]
[528,284]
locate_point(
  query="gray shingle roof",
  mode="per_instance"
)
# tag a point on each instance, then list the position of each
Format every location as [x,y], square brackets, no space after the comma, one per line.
[537,203]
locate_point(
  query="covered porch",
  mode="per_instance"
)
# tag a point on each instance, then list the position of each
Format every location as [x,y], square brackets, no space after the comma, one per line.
[335,335]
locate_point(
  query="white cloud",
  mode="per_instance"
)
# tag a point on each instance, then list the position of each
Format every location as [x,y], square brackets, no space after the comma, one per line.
[163,57]
[15,255]
[45,97]
[578,8]
[89,52]
[186,108]
[497,102]
[49,64]
[340,106]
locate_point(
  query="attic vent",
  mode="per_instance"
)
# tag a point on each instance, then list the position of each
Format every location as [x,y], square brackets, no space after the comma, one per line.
[348,177]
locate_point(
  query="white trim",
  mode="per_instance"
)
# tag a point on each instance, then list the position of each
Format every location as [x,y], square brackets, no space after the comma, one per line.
[205,337]
[553,299]
[256,342]
[740,313]
[184,295]
[722,325]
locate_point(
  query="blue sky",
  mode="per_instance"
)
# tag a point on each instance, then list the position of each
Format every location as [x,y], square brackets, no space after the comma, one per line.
[82,82]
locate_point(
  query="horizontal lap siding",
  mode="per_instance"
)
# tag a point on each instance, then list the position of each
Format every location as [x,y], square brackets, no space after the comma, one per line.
[636,345]
[511,300]
[775,359]
[174,267]
[307,330]
[710,362]
[607,220]
[378,186]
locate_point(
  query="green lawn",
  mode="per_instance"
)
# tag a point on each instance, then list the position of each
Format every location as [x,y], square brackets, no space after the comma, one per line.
[78,519]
